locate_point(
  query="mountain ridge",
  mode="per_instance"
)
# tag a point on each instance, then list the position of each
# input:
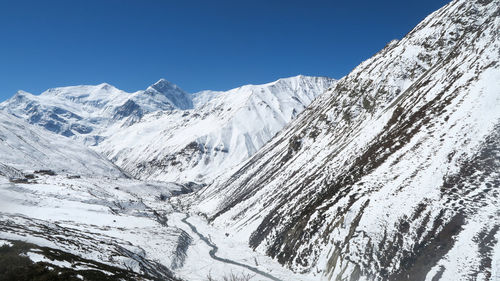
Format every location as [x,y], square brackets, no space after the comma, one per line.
[363,184]
[226,128]
[103,117]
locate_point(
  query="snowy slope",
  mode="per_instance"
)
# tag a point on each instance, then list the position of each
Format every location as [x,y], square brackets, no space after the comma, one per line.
[96,219]
[391,175]
[108,228]
[203,97]
[25,148]
[224,129]
[86,112]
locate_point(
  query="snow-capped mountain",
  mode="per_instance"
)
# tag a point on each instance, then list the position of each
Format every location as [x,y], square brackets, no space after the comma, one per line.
[224,129]
[391,175]
[25,148]
[163,133]
[86,113]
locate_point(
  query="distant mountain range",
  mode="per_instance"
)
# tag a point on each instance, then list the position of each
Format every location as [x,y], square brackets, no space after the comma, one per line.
[164,133]
[88,112]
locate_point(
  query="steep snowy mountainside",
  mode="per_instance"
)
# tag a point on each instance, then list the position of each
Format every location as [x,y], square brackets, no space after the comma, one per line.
[224,129]
[25,148]
[85,112]
[391,175]
[201,98]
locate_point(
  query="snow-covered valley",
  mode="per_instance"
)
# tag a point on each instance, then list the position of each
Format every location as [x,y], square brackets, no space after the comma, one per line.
[125,224]
[68,208]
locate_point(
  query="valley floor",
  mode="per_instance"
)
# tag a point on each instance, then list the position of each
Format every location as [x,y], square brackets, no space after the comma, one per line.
[120,227]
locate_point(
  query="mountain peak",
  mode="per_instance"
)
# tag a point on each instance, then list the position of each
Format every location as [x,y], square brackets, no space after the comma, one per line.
[20,96]
[81,90]
[22,93]
[106,86]
[178,97]
[163,85]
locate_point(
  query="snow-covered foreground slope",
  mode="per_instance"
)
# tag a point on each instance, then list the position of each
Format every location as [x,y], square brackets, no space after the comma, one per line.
[97,220]
[119,229]
[223,130]
[88,113]
[25,148]
[392,175]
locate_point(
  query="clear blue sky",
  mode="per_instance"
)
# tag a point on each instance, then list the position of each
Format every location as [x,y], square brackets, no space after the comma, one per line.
[196,44]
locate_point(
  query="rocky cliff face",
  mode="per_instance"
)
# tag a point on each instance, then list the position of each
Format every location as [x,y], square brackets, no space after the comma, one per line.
[391,175]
